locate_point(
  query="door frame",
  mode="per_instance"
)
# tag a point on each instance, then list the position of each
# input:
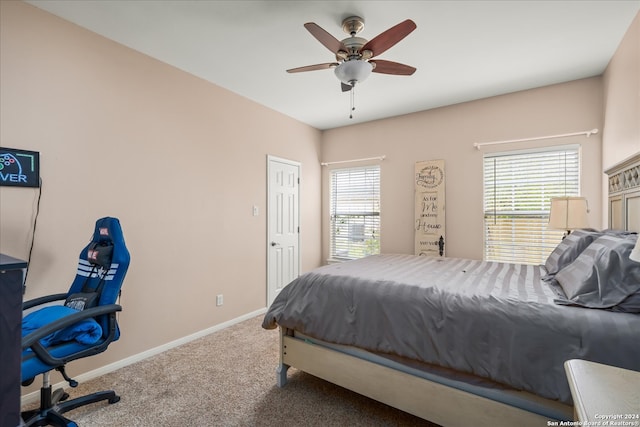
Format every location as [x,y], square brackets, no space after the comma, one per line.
[270,159]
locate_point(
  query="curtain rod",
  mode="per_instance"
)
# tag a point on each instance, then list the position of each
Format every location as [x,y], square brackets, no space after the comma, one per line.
[352,161]
[562,135]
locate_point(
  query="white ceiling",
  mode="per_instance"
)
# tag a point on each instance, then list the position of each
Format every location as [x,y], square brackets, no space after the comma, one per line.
[463,50]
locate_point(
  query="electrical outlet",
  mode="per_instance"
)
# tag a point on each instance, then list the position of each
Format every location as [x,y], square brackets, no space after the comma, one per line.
[219,300]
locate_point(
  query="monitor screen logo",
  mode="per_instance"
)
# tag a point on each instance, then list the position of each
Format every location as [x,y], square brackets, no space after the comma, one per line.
[19,168]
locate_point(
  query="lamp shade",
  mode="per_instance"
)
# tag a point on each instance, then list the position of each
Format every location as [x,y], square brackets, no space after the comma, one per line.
[568,213]
[635,253]
[353,71]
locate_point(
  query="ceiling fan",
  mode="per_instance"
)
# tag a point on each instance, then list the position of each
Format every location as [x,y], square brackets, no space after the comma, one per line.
[354,54]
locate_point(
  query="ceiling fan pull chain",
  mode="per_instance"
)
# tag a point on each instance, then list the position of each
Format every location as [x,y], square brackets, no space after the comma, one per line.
[353,101]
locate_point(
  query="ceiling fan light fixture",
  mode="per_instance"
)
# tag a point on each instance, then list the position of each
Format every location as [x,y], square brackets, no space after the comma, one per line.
[355,71]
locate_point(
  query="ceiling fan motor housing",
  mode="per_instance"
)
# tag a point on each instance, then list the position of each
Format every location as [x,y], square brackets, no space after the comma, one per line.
[353,45]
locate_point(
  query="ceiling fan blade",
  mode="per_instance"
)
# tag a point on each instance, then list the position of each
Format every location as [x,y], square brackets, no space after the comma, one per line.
[313,67]
[327,40]
[390,67]
[393,35]
[345,87]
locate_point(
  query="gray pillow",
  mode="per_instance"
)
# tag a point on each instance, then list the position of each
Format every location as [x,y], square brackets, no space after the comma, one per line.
[568,250]
[602,276]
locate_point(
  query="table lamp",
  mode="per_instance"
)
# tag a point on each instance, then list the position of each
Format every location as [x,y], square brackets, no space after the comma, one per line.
[568,213]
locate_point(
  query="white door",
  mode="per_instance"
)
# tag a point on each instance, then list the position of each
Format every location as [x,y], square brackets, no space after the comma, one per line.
[283,231]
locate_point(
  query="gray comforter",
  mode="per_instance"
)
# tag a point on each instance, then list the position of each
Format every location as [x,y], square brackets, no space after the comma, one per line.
[494,320]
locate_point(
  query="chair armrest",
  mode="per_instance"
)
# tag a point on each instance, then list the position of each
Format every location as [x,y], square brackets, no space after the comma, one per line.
[35,336]
[42,300]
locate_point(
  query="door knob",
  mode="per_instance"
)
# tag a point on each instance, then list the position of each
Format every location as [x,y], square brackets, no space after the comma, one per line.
[273,243]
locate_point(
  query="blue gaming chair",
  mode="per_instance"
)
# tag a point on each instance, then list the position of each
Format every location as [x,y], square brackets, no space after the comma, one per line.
[84,325]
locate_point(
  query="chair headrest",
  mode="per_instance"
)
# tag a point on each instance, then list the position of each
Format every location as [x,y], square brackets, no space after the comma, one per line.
[107,234]
[108,229]
[103,230]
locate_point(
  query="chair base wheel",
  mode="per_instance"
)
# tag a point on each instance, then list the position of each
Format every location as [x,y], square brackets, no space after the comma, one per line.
[53,405]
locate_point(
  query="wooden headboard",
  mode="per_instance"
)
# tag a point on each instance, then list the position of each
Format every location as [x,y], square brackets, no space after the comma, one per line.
[624,194]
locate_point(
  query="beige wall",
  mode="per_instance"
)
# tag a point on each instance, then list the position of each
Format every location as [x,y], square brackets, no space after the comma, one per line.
[449,133]
[621,138]
[180,161]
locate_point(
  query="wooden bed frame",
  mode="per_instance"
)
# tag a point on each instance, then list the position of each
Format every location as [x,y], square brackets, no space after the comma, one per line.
[624,194]
[430,400]
[426,399]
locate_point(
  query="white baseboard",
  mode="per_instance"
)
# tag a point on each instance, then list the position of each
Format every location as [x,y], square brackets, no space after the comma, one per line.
[35,396]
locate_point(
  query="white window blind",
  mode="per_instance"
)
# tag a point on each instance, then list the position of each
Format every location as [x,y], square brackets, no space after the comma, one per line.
[518,188]
[355,212]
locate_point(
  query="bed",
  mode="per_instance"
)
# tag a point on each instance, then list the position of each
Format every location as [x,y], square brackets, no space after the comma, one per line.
[466,342]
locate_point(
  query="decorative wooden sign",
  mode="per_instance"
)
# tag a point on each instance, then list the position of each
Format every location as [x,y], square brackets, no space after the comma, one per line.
[429,208]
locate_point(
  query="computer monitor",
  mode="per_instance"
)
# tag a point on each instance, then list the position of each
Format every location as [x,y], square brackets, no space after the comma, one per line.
[19,168]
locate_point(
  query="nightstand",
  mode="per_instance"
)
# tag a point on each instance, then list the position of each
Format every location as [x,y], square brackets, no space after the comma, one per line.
[603,393]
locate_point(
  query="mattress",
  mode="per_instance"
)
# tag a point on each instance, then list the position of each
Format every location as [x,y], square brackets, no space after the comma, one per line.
[494,320]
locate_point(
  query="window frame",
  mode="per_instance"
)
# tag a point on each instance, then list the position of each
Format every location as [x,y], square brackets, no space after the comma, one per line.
[521,235]
[361,217]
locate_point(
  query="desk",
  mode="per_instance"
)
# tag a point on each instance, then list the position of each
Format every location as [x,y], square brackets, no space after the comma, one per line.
[11,282]
[603,393]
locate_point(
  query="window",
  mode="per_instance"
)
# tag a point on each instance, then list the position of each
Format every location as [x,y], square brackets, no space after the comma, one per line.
[355,212]
[518,187]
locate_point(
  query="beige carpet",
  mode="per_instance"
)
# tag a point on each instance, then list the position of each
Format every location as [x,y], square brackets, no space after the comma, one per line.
[228,379]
